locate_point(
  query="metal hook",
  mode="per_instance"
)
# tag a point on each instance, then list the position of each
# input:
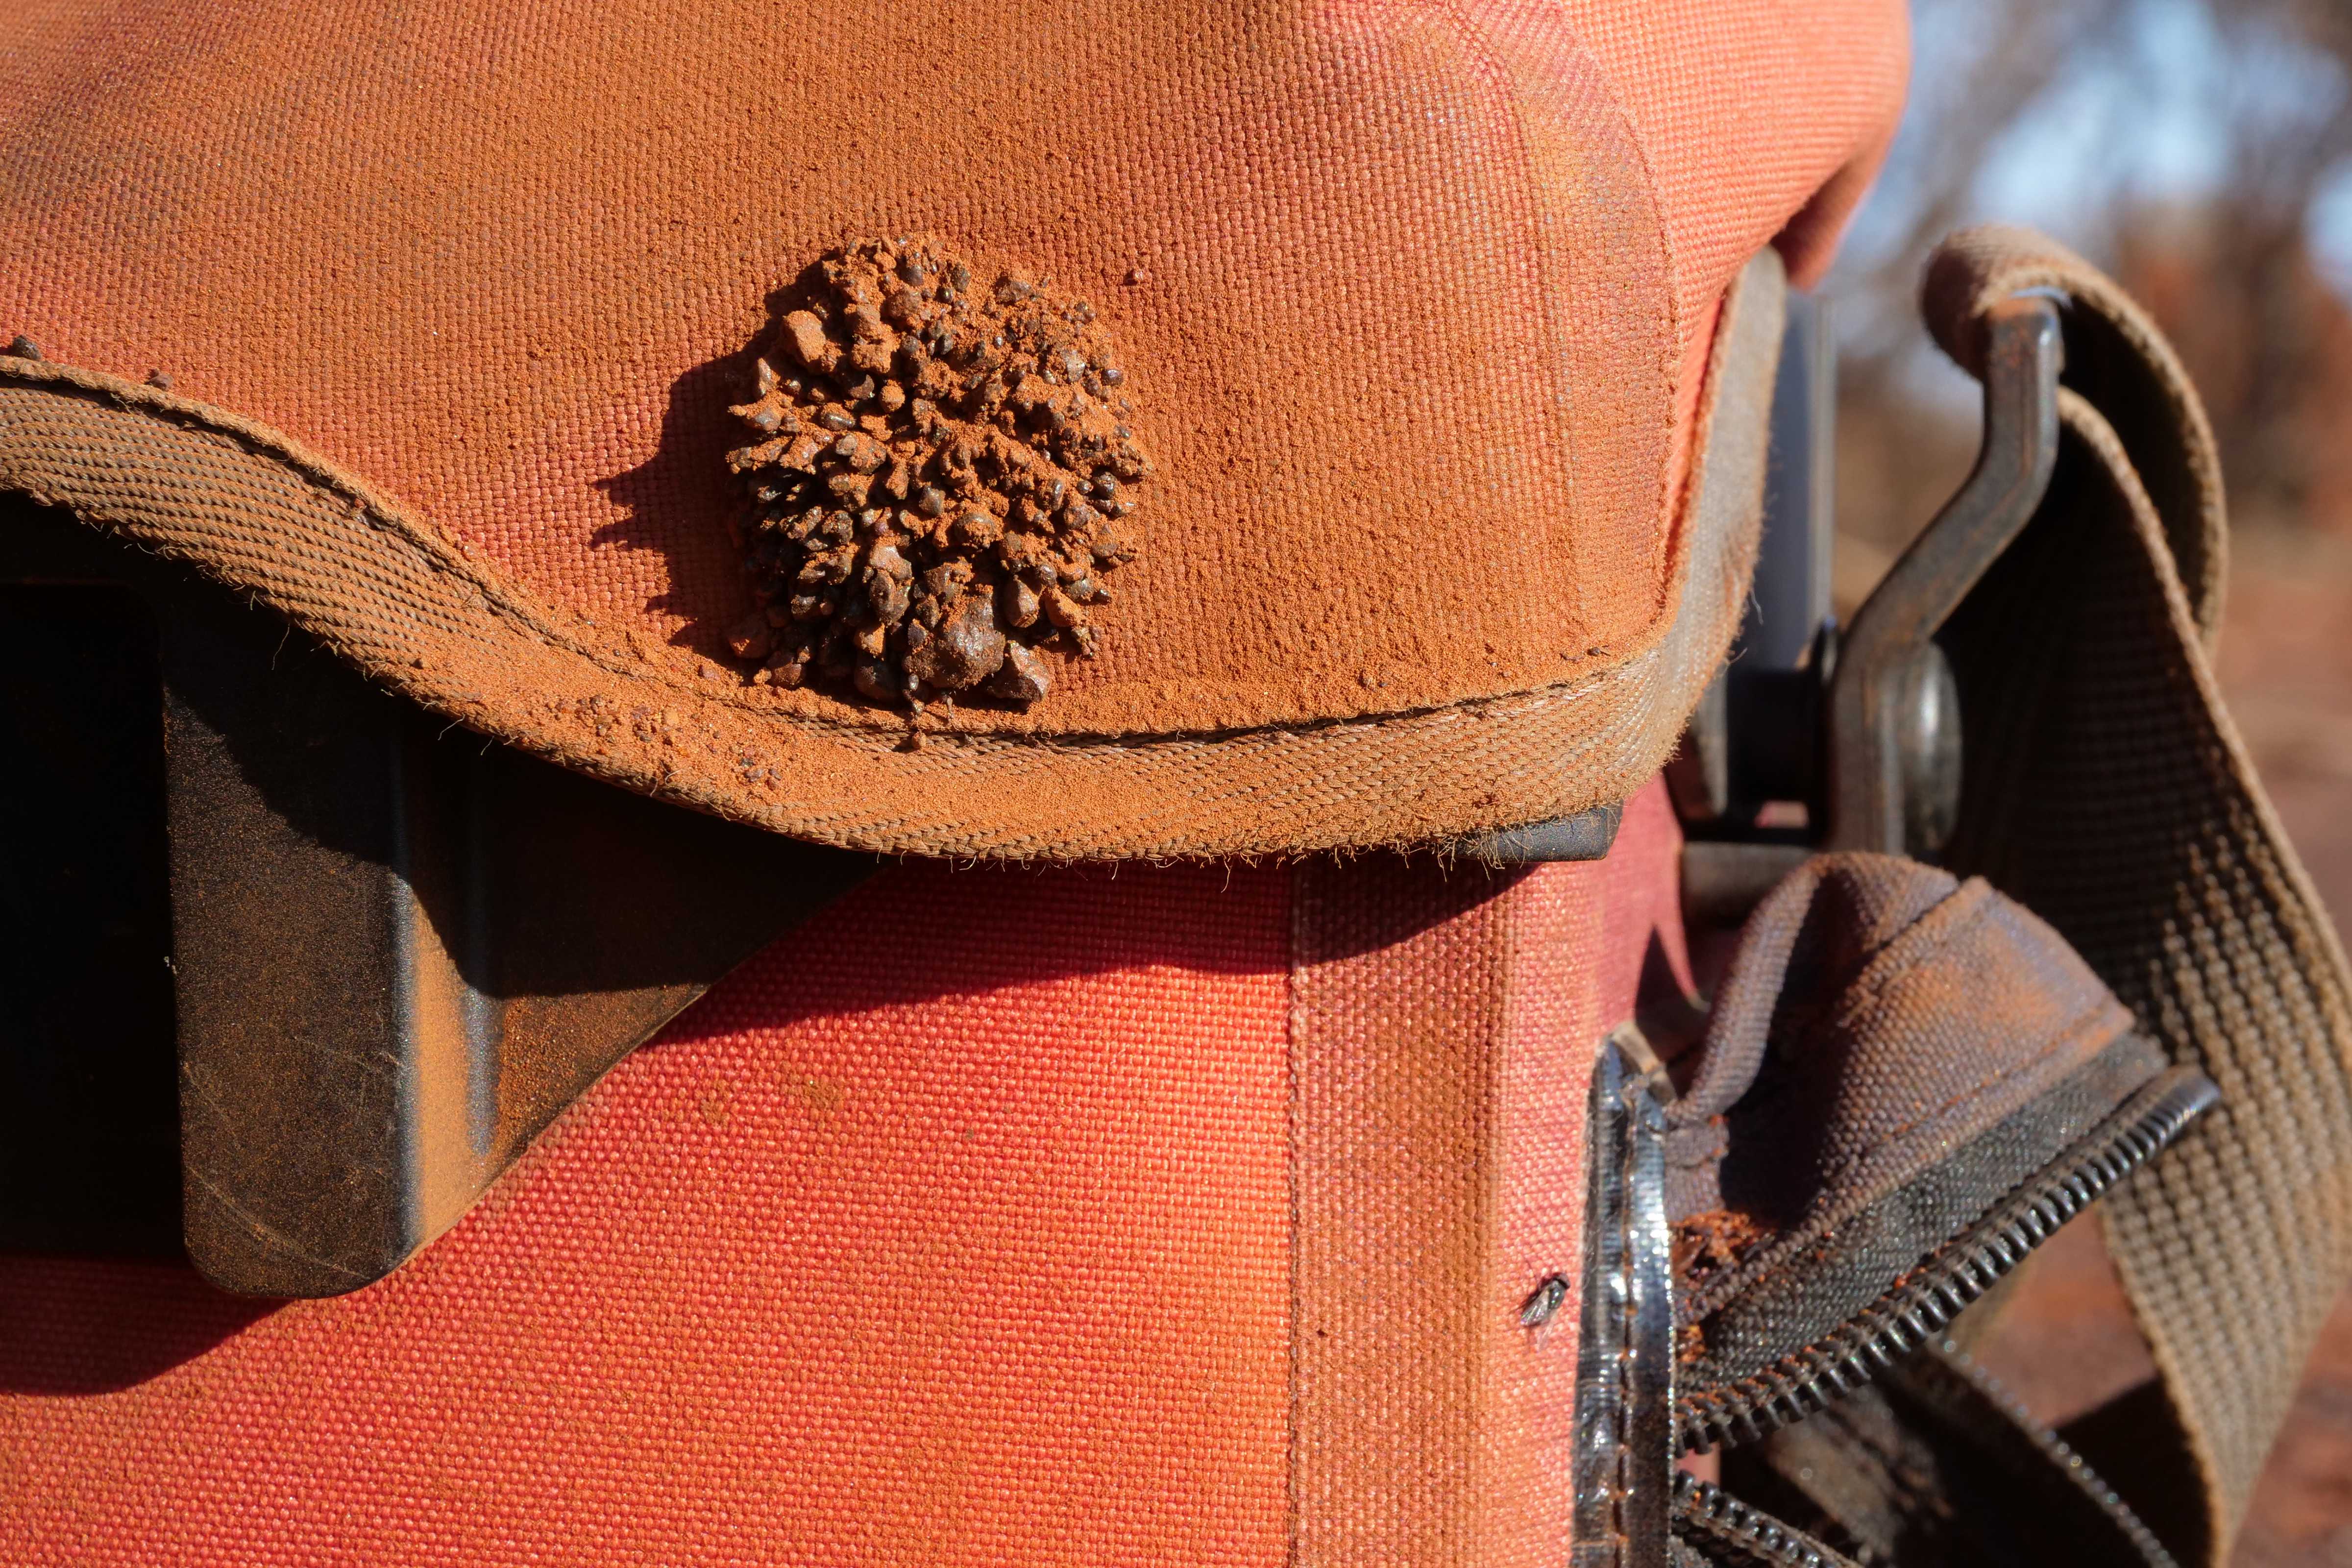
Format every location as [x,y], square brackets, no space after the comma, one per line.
[1895,763]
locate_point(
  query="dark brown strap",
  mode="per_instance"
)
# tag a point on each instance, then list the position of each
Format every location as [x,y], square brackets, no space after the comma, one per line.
[1934,1466]
[2109,791]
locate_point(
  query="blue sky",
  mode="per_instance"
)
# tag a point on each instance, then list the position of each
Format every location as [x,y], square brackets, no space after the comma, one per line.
[2147,113]
[2147,117]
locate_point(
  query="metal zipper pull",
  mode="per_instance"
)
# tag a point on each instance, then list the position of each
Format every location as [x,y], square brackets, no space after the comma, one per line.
[1625,1349]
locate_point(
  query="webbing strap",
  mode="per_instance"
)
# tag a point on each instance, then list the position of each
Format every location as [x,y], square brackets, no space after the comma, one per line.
[2108,791]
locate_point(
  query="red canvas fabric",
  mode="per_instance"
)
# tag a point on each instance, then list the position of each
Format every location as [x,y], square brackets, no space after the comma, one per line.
[1412,298]
[477,259]
[1442,1034]
[989,1219]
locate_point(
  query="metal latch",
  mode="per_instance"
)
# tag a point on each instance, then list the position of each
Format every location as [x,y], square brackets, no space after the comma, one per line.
[1818,738]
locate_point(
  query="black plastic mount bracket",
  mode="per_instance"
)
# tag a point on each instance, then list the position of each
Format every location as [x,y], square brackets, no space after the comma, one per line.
[1863,730]
[383,953]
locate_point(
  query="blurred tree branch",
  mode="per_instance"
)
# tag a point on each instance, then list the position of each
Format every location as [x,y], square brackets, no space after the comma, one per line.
[2229,269]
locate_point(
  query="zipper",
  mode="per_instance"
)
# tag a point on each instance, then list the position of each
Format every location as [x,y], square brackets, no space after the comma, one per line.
[1704,1509]
[1936,1375]
[1625,1347]
[1913,1311]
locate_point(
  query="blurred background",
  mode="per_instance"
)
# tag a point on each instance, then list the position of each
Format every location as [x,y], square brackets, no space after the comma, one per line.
[2201,150]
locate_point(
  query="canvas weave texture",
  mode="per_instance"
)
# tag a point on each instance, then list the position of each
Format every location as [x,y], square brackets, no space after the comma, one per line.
[2122,809]
[411,608]
[1002,1216]
[1418,304]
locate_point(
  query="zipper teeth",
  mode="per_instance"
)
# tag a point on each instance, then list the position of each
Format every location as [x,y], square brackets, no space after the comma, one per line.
[1959,1366]
[1914,1312]
[1704,1506]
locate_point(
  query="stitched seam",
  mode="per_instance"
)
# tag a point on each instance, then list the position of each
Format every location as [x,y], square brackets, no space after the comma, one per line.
[1913,947]
[443,558]
[1477,45]
[1623,1350]
[1746,1278]
[2083,1024]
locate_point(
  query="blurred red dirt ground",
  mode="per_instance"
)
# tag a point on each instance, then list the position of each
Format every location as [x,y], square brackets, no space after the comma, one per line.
[2286,663]
[2063,1344]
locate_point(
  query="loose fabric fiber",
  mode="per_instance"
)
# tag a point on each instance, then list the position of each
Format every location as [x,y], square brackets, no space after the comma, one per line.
[1418,304]
[1001,1217]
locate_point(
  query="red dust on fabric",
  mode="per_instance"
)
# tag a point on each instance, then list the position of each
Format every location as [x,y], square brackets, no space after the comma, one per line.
[954,1229]
[951,1229]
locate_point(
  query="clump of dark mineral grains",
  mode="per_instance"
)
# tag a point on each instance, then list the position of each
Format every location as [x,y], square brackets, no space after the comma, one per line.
[941,476]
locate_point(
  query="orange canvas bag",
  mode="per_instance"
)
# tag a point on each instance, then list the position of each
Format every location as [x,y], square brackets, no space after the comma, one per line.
[1189,485]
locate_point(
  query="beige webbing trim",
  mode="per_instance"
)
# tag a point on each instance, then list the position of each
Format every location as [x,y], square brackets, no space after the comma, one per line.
[2116,800]
[1397,1004]
[392,593]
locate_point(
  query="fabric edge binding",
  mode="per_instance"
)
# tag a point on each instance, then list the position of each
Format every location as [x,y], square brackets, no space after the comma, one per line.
[395,596]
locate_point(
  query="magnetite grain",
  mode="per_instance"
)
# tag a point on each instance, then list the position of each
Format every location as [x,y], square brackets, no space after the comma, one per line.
[942,477]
